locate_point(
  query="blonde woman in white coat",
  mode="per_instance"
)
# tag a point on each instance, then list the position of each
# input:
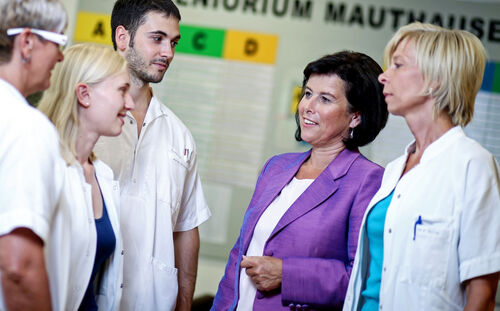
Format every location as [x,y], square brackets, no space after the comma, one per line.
[430,237]
[89,98]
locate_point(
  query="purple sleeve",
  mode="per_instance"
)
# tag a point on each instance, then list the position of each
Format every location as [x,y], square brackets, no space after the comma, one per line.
[322,282]
[226,293]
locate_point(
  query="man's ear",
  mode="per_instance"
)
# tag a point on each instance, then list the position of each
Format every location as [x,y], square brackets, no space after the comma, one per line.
[82,91]
[122,38]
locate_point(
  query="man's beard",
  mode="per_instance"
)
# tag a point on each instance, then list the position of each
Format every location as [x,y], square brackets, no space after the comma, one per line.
[139,68]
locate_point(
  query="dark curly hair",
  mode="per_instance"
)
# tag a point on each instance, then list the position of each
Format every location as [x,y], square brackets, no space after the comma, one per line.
[362,90]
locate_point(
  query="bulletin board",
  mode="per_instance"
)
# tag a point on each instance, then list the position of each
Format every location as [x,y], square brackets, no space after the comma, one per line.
[235,81]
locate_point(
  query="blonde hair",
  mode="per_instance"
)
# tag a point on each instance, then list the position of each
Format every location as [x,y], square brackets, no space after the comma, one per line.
[452,63]
[40,14]
[83,63]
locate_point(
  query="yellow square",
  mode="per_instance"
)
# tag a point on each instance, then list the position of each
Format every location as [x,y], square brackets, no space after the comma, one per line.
[251,47]
[296,97]
[93,27]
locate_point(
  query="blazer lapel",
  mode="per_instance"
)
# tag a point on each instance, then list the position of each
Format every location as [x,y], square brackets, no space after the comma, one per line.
[321,189]
[270,189]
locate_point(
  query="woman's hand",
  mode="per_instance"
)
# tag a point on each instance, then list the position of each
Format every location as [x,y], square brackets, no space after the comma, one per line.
[264,271]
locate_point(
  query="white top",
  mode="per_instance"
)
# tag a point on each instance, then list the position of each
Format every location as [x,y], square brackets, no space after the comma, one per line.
[441,227]
[31,175]
[80,241]
[263,229]
[160,193]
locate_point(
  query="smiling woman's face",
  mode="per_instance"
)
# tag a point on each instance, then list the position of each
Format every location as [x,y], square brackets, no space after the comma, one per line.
[324,112]
[108,104]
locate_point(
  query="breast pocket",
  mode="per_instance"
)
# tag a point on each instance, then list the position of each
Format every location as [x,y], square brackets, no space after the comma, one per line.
[427,254]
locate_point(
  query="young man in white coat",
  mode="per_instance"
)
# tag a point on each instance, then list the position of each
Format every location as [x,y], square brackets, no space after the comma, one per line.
[155,160]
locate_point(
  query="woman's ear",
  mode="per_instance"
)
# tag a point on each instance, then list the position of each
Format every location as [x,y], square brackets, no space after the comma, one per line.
[25,43]
[82,91]
[122,38]
[356,120]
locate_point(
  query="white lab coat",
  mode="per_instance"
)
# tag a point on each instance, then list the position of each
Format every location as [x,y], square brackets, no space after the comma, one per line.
[455,192]
[161,193]
[82,239]
[31,179]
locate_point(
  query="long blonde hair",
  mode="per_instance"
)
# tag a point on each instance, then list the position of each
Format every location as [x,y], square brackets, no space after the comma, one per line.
[83,63]
[454,60]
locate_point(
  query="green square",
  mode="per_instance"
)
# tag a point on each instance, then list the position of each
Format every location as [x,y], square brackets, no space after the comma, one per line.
[201,41]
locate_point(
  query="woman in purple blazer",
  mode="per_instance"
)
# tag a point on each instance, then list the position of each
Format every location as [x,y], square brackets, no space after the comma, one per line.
[299,234]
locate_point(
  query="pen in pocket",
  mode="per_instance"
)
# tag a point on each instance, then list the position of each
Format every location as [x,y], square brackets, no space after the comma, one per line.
[418,222]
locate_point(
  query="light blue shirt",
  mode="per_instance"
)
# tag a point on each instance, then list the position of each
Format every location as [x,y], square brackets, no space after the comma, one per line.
[375,232]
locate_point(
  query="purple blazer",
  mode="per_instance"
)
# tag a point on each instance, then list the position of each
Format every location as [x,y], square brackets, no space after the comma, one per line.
[316,238]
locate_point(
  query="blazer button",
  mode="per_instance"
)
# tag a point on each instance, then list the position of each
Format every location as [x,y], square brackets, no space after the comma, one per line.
[122,252]
[121,285]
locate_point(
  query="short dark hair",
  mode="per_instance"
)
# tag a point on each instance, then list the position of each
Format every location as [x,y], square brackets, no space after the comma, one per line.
[363,92]
[132,13]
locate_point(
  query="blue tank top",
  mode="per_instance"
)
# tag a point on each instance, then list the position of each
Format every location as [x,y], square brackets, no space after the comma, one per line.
[375,232]
[106,243]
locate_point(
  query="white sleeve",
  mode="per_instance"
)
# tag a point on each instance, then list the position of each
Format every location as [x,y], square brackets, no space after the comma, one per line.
[193,210]
[479,241]
[32,173]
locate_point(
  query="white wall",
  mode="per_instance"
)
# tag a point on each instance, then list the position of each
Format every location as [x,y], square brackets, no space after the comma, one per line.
[71,8]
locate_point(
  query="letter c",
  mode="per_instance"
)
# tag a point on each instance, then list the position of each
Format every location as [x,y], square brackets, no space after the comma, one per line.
[199,42]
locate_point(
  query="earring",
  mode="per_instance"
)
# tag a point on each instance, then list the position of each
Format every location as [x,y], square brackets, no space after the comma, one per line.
[430,91]
[351,133]
[26,59]
[86,104]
